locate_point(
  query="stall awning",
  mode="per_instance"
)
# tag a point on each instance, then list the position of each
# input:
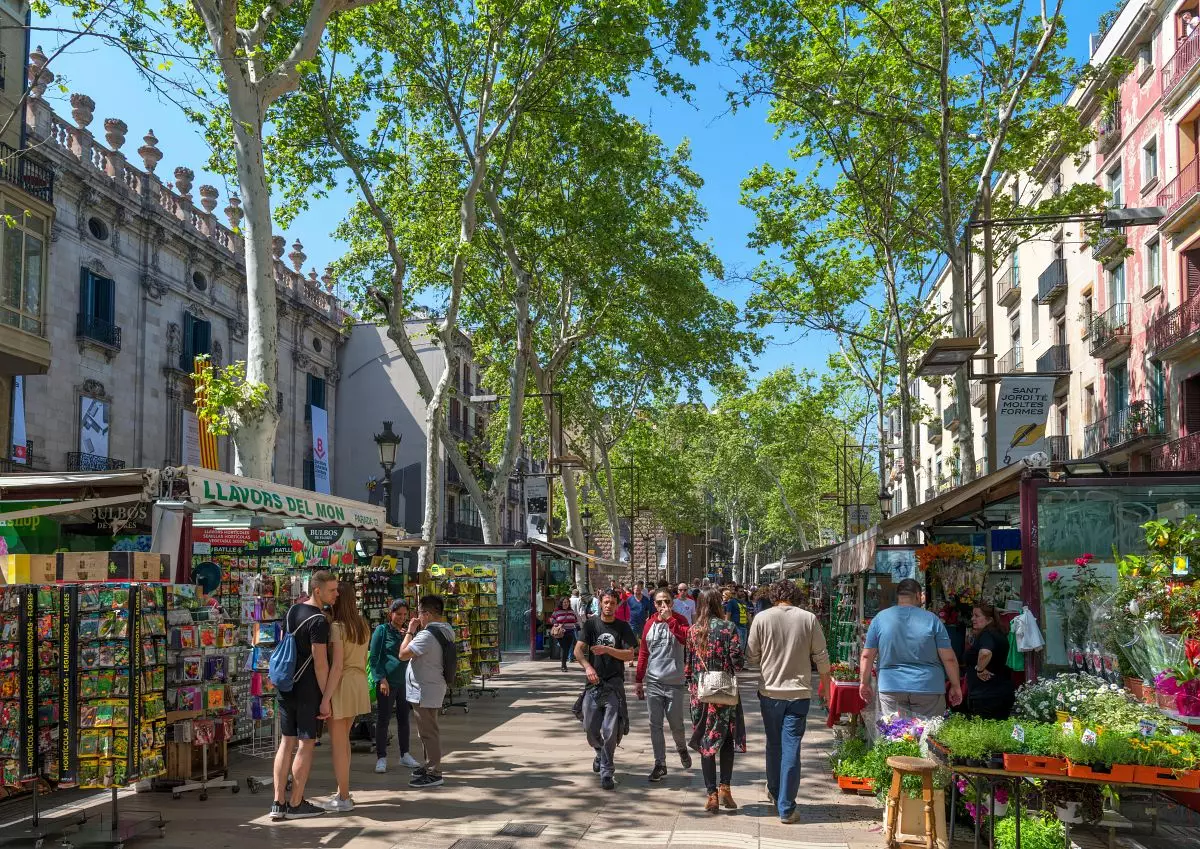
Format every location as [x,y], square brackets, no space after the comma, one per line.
[576,554]
[994,487]
[856,554]
[217,488]
[798,561]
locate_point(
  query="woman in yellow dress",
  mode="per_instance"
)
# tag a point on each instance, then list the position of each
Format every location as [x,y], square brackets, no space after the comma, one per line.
[346,694]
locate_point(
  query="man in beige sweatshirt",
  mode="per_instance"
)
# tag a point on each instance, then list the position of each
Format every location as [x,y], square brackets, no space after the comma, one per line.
[786,642]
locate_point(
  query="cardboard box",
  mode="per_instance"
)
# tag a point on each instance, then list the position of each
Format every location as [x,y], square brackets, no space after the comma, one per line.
[149,567]
[28,569]
[83,567]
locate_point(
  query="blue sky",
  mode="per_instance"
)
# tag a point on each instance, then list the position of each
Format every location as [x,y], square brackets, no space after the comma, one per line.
[725,147]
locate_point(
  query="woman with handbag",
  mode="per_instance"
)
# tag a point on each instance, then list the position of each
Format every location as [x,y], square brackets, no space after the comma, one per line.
[718,724]
[563,624]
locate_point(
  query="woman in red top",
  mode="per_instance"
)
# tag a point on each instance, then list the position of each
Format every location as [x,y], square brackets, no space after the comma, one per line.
[565,617]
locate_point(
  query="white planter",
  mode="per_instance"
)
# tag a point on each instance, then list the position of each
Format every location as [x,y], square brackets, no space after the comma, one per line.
[986,806]
[1069,813]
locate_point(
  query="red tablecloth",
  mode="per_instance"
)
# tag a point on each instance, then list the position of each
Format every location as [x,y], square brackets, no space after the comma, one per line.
[844,699]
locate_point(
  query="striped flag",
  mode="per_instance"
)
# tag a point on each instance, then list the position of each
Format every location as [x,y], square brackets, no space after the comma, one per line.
[208,441]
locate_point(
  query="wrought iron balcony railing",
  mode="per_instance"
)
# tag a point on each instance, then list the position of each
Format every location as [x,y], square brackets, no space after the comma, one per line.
[77,461]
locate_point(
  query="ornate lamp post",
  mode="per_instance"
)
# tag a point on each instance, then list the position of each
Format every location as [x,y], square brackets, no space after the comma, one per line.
[388,443]
[885,502]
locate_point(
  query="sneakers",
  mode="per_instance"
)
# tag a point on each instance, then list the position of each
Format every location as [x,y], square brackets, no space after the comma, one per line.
[596,764]
[426,779]
[608,783]
[305,810]
[419,770]
[381,765]
[685,758]
[659,772]
[409,761]
[337,805]
[278,811]
[792,818]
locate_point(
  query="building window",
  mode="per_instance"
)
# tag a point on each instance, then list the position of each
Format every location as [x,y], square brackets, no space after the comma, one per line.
[197,341]
[1150,161]
[1034,322]
[314,395]
[23,258]
[1116,284]
[1145,56]
[1153,264]
[97,302]
[1116,185]
[1089,404]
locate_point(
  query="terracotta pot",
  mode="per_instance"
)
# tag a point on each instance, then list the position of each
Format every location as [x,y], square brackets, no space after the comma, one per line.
[1149,695]
[1134,686]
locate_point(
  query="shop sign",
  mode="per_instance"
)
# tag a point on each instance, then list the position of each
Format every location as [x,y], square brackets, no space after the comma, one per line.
[247,494]
[537,507]
[20,446]
[858,518]
[104,517]
[323,536]
[68,675]
[1022,408]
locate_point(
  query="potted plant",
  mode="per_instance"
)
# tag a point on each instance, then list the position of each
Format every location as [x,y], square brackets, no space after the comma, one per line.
[1101,755]
[1071,803]
[1032,755]
[1167,760]
[1037,832]
[1137,419]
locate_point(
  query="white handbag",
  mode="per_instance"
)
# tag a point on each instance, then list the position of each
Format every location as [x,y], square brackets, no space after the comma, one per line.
[716,688]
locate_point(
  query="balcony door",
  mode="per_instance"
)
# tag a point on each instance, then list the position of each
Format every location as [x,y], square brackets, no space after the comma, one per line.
[1191,273]
[1190,390]
[1118,389]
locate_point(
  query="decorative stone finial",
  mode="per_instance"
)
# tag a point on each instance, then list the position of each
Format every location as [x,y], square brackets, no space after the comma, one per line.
[312,276]
[233,212]
[208,198]
[327,278]
[37,74]
[82,109]
[183,181]
[150,154]
[114,132]
[278,243]
[297,256]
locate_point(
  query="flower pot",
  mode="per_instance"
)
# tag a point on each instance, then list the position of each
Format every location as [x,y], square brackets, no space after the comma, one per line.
[995,762]
[985,806]
[1134,686]
[1166,701]
[1035,764]
[1115,774]
[1164,777]
[1149,694]
[855,785]
[1068,813]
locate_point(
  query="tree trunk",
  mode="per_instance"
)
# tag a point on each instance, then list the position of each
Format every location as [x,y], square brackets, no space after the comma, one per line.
[906,440]
[254,431]
[433,476]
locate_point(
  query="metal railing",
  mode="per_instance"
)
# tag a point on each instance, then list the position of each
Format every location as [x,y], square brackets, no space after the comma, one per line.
[934,432]
[1137,420]
[463,531]
[452,475]
[512,535]
[98,330]
[978,394]
[1176,68]
[1109,241]
[31,176]
[950,417]
[1058,447]
[1108,131]
[1010,361]
[1180,455]
[514,490]
[979,320]
[1181,189]
[1053,281]
[1177,325]
[1056,358]
[930,493]
[1109,330]
[1008,287]
[457,427]
[77,461]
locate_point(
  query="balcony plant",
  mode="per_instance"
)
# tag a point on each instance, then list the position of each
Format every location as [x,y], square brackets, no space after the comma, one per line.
[1140,420]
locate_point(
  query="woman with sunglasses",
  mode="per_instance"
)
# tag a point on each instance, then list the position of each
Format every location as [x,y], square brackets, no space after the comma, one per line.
[660,680]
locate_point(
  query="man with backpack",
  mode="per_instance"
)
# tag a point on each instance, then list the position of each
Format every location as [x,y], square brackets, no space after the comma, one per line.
[299,670]
[429,644]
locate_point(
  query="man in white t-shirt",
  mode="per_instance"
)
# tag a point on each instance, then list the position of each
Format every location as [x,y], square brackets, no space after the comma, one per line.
[684,605]
[425,682]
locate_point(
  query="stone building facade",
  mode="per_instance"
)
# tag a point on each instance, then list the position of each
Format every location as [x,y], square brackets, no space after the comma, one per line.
[143,276]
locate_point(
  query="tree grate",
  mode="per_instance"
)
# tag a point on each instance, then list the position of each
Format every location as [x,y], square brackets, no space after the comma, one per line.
[522,829]
[476,843]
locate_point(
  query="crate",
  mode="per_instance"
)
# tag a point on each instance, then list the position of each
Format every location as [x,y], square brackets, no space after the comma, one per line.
[1164,777]
[1115,774]
[856,785]
[1035,764]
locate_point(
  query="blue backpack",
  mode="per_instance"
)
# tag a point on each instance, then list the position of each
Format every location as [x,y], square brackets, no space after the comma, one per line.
[282,668]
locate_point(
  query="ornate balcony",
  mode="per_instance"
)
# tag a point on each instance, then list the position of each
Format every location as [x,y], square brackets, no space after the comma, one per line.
[950,417]
[1124,429]
[1059,448]
[514,489]
[1109,244]
[1176,196]
[512,535]
[77,461]
[1176,69]
[979,394]
[1056,359]
[1011,361]
[1053,281]
[930,493]
[1110,332]
[1181,455]
[1108,131]
[463,532]
[1177,333]
[102,333]
[1008,290]
[23,170]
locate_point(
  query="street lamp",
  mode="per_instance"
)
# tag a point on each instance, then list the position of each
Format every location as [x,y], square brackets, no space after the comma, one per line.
[586,518]
[388,443]
[885,502]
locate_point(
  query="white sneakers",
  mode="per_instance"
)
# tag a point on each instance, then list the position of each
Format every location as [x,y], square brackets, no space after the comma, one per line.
[337,805]
[381,765]
[405,760]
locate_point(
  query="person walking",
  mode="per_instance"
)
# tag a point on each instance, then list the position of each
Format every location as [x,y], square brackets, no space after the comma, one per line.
[389,672]
[786,642]
[427,638]
[736,614]
[577,603]
[347,695]
[604,648]
[684,605]
[300,707]
[563,624]
[915,658]
[717,729]
[640,606]
[990,692]
[660,680]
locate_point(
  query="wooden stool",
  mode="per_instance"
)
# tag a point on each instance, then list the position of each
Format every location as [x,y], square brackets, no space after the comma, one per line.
[902,766]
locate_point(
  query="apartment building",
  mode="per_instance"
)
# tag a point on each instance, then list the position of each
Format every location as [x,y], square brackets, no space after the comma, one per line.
[139,278]
[1114,313]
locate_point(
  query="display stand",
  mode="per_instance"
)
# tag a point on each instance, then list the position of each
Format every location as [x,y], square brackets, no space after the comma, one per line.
[36,830]
[205,783]
[119,830]
[262,747]
[477,692]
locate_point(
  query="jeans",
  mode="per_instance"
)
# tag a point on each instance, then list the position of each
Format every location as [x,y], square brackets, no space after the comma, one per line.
[743,632]
[708,766]
[665,702]
[784,721]
[602,722]
[385,705]
[566,644]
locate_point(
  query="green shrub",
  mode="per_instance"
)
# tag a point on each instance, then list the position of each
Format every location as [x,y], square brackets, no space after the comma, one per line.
[1109,748]
[975,738]
[1036,833]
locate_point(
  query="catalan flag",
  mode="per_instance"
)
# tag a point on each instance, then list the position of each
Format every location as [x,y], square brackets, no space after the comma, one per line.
[208,441]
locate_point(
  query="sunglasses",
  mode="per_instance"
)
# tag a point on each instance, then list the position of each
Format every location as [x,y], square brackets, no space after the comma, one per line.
[662,602]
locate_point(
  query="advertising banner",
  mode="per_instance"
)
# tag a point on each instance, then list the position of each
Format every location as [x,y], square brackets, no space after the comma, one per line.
[68,674]
[1022,408]
[27,730]
[320,449]
[189,429]
[93,426]
[20,447]
[537,507]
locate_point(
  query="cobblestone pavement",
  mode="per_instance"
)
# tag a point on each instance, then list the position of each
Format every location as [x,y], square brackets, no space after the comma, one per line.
[518,776]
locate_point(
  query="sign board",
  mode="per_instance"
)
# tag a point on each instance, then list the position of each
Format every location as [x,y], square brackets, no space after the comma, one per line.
[858,518]
[1022,408]
[209,487]
[626,547]
[189,436]
[320,449]
[537,507]
[20,447]
[323,536]
[93,426]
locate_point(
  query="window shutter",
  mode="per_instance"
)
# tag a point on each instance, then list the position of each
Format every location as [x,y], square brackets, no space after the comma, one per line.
[187,358]
[106,299]
[1191,261]
[85,292]
[1191,406]
[201,337]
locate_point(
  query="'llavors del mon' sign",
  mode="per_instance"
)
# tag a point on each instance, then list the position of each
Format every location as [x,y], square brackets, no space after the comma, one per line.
[245,493]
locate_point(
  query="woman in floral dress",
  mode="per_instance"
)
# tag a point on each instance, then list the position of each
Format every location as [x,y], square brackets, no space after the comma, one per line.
[717,730]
